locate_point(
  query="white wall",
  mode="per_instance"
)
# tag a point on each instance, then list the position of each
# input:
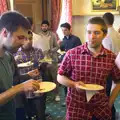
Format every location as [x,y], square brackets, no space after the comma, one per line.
[79,25]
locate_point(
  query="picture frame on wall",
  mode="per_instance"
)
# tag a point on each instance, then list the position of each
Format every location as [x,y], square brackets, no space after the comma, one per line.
[103,5]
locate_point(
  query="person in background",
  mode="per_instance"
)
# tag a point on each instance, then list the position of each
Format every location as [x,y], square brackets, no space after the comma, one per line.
[13,32]
[117,61]
[48,36]
[89,63]
[111,42]
[25,54]
[112,39]
[30,19]
[69,41]
[116,91]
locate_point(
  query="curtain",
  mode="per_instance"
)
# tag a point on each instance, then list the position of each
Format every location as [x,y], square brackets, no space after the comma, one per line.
[3,6]
[67,8]
[66,16]
[55,14]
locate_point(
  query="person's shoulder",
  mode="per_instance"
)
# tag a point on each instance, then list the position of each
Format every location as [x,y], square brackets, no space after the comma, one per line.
[52,33]
[38,50]
[113,33]
[110,53]
[9,56]
[75,36]
[20,51]
[76,50]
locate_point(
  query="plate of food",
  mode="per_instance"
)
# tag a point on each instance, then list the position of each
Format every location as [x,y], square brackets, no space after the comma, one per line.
[91,87]
[26,64]
[46,87]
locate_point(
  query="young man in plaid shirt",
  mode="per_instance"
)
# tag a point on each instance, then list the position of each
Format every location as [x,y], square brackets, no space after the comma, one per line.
[88,63]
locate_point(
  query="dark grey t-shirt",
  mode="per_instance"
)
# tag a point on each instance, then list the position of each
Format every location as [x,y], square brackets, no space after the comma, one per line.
[7,111]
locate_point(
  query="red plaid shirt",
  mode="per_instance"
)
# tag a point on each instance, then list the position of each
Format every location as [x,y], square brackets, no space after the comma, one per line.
[80,65]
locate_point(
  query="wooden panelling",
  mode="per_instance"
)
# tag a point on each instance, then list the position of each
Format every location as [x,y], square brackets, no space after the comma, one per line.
[25,9]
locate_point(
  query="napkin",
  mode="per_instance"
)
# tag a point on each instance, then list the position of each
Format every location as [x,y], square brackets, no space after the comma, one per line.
[90,94]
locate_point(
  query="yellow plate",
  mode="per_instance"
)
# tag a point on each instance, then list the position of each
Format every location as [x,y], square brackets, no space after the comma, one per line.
[46,60]
[27,64]
[46,87]
[91,87]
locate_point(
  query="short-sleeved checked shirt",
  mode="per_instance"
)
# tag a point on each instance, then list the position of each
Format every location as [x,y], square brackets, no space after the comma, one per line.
[80,65]
[33,55]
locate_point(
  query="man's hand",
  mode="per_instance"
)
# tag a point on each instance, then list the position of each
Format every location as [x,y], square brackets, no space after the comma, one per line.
[33,73]
[30,86]
[79,83]
[117,60]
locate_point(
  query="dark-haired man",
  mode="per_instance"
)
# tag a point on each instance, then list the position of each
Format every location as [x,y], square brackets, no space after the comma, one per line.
[89,63]
[69,41]
[49,39]
[13,32]
[111,42]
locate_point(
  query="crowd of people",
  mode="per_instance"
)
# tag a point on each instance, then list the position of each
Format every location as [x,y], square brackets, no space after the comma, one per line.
[97,61]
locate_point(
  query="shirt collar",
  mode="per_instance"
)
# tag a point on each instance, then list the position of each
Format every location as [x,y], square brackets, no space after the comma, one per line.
[85,49]
[21,49]
[68,37]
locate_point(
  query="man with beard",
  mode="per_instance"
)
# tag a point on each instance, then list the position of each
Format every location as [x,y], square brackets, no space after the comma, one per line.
[13,32]
[49,40]
[89,63]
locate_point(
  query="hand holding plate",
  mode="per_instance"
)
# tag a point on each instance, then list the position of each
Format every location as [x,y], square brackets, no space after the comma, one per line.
[78,84]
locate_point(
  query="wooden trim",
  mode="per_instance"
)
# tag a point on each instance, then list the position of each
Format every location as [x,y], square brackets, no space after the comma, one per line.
[8,4]
[25,1]
[44,9]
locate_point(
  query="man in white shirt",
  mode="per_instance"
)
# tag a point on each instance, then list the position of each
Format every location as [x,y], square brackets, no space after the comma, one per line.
[47,41]
[112,40]
[117,61]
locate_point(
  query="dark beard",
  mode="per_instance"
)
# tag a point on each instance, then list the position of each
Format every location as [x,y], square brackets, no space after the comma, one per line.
[44,31]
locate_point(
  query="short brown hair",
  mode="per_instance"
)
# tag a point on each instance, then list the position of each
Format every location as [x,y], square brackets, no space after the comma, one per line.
[108,18]
[99,21]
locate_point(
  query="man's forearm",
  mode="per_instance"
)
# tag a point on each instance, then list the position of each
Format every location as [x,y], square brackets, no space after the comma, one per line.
[9,94]
[114,94]
[65,81]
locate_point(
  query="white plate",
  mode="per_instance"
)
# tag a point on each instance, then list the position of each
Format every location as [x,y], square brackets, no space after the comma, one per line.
[27,64]
[46,87]
[93,87]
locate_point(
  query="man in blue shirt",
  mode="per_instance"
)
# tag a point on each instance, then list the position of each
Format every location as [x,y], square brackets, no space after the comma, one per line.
[69,41]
